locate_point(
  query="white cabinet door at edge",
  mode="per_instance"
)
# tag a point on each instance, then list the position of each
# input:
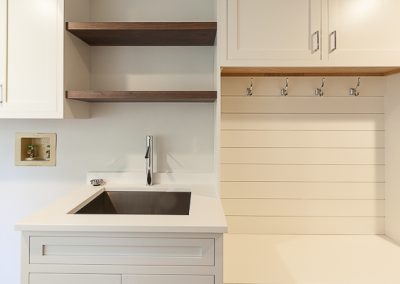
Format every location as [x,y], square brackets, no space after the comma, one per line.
[3,51]
[34,59]
[363,33]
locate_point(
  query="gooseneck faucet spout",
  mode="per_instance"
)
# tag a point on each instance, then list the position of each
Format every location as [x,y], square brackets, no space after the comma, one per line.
[149,160]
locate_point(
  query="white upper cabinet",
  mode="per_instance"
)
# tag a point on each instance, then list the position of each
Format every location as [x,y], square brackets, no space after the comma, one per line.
[32,59]
[310,33]
[35,56]
[364,32]
[3,50]
[274,30]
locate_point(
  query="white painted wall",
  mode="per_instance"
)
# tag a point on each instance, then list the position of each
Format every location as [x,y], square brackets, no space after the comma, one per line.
[112,140]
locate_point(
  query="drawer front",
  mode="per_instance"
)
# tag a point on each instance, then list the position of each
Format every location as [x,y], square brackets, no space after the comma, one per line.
[41,278]
[122,251]
[167,279]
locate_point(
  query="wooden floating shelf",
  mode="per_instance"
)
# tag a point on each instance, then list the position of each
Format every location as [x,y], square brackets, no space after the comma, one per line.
[307,71]
[143,96]
[145,33]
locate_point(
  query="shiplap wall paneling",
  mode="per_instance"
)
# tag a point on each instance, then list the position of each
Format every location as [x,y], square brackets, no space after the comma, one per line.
[303,164]
[303,190]
[306,225]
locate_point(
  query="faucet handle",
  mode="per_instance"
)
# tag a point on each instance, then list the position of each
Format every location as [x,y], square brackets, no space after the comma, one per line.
[97,182]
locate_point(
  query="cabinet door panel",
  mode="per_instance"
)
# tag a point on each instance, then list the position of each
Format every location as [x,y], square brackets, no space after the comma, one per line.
[274,29]
[366,32]
[35,79]
[74,279]
[167,279]
[3,49]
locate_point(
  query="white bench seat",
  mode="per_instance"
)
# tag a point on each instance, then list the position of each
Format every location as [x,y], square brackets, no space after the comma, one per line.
[310,259]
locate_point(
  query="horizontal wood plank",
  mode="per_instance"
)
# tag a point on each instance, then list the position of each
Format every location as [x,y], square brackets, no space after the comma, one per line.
[308,105]
[302,122]
[301,139]
[303,156]
[304,208]
[306,225]
[307,173]
[303,190]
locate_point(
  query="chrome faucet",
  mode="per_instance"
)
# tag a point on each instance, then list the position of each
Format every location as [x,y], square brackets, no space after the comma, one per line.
[149,160]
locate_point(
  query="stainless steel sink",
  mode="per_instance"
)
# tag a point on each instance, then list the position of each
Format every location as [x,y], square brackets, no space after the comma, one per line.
[139,203]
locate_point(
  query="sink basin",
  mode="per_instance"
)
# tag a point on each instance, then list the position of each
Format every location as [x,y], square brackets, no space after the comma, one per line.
[139,203]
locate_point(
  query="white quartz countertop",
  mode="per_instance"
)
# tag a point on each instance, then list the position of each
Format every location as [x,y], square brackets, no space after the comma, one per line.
[206,214]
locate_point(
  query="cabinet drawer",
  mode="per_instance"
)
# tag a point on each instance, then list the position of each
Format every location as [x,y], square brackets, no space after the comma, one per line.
[39,278]
[121,251]
[167,279]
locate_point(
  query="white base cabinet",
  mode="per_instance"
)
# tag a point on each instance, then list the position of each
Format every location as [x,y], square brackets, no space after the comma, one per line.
[167,279]
[40,278]
[127,258]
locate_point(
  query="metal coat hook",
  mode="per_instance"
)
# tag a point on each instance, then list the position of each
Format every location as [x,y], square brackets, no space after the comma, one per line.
[249,90]
[285,90]
[354,91]
[320,91]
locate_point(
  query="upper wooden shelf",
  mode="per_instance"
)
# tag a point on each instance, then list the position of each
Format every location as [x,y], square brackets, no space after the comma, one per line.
[307,71]
[145,33]
[142,96]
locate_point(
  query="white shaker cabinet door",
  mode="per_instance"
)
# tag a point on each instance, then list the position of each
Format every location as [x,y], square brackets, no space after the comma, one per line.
[37,278]
[3,50]
[274,30]
[364,33]
[35,59]
[167,279]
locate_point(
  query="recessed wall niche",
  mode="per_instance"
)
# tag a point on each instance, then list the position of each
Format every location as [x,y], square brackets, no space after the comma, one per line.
[35,149]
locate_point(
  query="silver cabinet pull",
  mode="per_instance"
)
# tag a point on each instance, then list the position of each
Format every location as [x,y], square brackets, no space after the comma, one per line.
[315,35]
[332,42]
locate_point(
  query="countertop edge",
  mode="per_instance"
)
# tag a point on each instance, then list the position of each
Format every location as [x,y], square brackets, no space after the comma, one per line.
[120,229]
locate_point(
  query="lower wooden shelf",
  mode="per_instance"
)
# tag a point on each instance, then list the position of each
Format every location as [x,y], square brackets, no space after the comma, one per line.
[142,96]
